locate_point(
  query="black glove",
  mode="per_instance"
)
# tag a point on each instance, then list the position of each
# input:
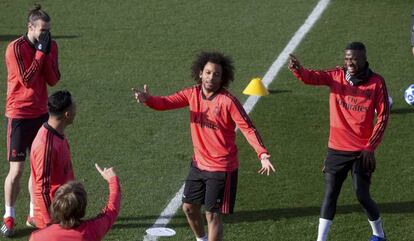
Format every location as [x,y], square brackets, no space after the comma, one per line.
[44,42]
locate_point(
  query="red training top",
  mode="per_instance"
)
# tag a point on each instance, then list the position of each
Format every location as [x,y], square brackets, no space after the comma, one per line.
[51,167]
[213,122]
[352,108]
[29,71]
[89,230]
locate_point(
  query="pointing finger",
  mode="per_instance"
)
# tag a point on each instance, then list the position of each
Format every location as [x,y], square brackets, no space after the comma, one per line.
[98,168]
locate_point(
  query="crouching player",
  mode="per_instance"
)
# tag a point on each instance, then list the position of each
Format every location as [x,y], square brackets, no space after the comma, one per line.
[69,207]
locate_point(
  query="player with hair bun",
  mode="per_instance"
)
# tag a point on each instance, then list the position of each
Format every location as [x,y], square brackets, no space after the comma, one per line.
[32,65]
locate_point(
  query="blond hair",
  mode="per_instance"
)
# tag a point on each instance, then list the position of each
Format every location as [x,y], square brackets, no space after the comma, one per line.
[69,205]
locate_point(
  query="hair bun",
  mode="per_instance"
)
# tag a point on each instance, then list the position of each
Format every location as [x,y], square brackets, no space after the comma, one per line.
[37,7]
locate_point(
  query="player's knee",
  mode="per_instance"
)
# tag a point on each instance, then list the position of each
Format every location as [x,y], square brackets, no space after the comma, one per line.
[331,195]
[16,171]
[188,209]
[212,217]
[362,196]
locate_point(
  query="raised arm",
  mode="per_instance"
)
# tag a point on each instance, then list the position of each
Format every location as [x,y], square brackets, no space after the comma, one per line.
[15,64]
[307,76]
[100,225]
[51,66]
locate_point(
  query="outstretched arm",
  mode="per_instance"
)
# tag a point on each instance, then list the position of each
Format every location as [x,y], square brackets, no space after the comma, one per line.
[311,77]
[174,101]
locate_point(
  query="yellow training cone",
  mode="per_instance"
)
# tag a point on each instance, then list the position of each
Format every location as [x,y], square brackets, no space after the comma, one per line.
[255,87]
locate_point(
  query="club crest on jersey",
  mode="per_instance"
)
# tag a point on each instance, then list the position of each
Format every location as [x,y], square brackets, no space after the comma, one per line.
[216,110]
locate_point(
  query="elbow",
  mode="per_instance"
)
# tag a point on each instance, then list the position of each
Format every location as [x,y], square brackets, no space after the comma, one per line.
[52,83]
[26,80]
[54,80]
[26,84]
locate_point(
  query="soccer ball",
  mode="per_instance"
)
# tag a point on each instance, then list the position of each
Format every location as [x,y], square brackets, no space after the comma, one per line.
[409,95]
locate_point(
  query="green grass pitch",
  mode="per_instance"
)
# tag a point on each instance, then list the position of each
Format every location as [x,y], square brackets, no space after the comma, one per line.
[107,47]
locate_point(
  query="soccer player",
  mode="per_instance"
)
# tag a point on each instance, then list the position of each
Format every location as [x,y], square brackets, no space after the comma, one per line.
[69,207]
[214,115]
[32,64]
[357,94]
[50,161]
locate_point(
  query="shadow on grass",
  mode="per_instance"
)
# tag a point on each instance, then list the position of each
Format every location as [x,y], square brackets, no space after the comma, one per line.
[147,221]
[285,213]
[24,232]
[265,215]
[278,91]
[402,111]
[9,37]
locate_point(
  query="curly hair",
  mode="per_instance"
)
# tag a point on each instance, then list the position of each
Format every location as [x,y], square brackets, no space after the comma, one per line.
[225,62]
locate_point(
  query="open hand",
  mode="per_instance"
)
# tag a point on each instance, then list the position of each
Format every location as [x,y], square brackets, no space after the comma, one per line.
[266,164]
[294,64]
[141,96]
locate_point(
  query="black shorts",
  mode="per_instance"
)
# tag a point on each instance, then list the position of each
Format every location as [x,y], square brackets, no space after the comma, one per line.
[341,162]
[216,190]
[20,135]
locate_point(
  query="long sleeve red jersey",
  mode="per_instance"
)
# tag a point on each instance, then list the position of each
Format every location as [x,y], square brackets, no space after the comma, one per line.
[51,167]
[352,108]
[213,122]
[90,230]
[29,72]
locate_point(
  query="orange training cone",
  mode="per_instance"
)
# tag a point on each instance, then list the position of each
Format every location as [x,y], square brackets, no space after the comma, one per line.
[256,87]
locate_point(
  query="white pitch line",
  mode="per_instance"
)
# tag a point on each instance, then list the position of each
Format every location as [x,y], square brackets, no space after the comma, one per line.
[175,203]
[290,47]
